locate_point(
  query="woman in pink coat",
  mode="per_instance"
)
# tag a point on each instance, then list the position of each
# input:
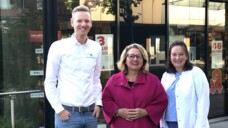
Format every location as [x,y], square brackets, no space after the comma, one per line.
[133,98]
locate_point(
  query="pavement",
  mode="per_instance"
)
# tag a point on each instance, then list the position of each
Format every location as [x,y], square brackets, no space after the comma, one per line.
[221,122]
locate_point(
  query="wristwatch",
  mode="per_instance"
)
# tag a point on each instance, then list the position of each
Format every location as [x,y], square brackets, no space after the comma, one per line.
[116,113]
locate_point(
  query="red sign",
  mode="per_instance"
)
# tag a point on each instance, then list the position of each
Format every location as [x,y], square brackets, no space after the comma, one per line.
[37,36]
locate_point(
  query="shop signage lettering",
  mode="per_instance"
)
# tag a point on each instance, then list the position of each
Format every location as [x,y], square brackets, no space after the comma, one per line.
[106,42]
[37,36]
[36,73]
[216,54]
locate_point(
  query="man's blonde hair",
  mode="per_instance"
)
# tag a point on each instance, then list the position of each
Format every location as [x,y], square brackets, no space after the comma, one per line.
[80,8]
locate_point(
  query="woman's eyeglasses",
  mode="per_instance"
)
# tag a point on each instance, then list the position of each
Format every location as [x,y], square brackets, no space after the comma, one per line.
[132,57]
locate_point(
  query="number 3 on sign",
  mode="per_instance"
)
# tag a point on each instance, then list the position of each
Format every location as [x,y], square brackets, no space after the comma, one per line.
[217,45]
[101,40]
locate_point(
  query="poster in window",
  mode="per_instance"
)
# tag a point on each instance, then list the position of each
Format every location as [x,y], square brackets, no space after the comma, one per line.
[106,41]
[216,54]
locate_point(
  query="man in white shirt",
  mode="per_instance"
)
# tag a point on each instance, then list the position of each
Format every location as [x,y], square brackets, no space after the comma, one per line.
[72,82]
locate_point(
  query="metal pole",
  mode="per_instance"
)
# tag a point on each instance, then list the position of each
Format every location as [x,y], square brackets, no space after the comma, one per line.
[167,27]
[206,68]
[12,96]
[118,28]
[12,110]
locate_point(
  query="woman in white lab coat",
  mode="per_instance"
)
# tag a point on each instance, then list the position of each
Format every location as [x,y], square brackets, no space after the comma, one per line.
[187,89]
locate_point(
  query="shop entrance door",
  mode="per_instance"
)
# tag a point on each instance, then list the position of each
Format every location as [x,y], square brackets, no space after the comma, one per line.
[218,56]
[21,64]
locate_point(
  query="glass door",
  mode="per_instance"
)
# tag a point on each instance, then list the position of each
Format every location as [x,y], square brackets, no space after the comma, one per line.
[100,28]
[187,23]
[21,64]
[218,56]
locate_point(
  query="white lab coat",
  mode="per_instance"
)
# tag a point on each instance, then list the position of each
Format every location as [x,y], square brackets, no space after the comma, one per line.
[192,98]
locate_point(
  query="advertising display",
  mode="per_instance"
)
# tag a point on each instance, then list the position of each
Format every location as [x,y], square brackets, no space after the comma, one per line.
[106,42]
[216,54]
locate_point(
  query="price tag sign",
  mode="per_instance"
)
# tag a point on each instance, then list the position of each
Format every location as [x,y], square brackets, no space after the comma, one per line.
[106,42]
[216,54]
[36,73]
[37,95]
[39,50]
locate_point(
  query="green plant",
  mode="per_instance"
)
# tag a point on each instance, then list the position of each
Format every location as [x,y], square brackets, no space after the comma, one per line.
[5,122]
[125,8]
[19,123]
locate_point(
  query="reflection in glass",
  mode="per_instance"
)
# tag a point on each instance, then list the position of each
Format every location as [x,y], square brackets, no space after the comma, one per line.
[18,57]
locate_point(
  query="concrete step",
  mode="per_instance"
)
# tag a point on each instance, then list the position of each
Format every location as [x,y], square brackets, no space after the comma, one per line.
[221,122]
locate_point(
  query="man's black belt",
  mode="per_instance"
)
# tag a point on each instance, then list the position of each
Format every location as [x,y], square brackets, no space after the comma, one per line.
[80,109]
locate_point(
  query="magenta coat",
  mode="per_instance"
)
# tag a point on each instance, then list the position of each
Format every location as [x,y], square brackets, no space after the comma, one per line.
[147,93]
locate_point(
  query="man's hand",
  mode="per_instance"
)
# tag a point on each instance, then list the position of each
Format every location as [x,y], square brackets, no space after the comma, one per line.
[96,111]
[64,115]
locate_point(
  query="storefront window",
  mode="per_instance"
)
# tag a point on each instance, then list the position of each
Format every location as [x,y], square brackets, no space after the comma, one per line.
[187,20]
[21,64]
[218,62]
[100,32]
[186,23]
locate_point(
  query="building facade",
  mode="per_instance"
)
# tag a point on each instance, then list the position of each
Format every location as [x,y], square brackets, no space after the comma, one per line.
[29,27]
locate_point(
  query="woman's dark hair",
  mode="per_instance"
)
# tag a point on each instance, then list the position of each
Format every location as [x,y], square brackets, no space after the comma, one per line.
[188,65]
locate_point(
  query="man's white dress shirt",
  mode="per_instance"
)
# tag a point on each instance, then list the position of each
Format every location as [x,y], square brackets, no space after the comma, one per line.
[73,74]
